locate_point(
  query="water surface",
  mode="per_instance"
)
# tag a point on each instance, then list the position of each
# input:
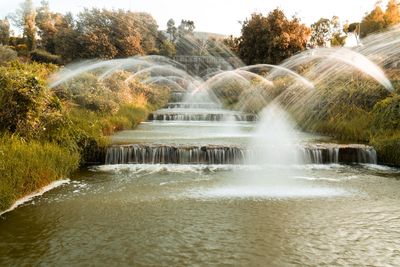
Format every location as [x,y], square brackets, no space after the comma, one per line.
[163,215]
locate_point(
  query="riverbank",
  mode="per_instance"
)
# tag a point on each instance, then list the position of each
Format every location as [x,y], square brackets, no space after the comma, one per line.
[47,133]
[29,166]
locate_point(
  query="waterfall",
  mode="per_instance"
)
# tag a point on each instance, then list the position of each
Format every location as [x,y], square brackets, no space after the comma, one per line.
[212,154]
[198,111]
[163,154]
[192,116]
[184,105]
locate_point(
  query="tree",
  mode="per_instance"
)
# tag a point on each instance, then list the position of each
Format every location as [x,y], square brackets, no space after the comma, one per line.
[232,43]
[148,30]
[108,34]
[271,39]
[167,49]
[4,31]
[327,32]
[392,13]
[66,38]
[377,20]
[373,22]
[172,30]
[338,34]
[320,32]
[24,18]
[186,44]
[185,28]
[46,22]
[253,43]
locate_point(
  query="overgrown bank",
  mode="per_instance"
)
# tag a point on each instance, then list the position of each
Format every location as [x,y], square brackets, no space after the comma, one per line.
[29,165]
[48,133]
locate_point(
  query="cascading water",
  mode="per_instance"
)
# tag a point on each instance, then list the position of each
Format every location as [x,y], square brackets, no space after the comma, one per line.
[229,154]
[199,100]
[199,106]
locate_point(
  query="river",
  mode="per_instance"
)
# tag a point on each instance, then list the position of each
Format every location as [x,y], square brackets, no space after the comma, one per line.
[209,215]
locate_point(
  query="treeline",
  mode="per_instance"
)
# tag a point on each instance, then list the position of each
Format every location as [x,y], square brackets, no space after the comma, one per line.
[99,33]
[52,37]
[273,37]
[92,33]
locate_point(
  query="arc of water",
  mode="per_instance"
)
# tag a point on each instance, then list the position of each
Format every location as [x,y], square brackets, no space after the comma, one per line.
[125,64]
[171,82]
[161,59]
[168,69]
[240,74]
[68,74]
[288,71]
[344,55]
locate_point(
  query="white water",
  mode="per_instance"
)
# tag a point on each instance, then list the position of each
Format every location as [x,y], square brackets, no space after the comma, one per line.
[37,193]
[276,140]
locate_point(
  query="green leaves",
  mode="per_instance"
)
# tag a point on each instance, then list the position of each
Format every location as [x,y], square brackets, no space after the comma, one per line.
[24,101]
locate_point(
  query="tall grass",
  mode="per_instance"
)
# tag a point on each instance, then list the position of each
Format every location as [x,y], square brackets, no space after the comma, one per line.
[27,166]
[128,117]
[387,147]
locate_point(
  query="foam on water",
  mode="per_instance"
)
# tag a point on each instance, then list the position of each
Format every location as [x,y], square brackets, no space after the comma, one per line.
[173,168]
[255,192]
[190,168]
[36,194]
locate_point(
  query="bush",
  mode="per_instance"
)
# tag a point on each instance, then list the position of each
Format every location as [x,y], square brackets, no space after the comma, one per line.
[88,92]
[28,166]
[7,54]
[387,147]
[347,123]
[386,114]
[26,105]
[43,56]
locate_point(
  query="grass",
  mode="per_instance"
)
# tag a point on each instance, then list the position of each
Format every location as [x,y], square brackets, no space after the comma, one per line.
[387,146]
[128,117]
[27,166]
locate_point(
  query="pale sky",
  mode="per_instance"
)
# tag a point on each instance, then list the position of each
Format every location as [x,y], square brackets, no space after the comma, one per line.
[217,16]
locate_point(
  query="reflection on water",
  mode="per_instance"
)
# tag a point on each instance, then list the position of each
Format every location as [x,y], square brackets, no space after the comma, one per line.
[163,215]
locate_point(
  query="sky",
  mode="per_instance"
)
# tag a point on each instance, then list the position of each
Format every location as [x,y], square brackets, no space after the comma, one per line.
[217,16]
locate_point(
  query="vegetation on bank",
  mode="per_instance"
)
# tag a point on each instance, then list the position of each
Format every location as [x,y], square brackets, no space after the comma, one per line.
[26,166]
[47,133]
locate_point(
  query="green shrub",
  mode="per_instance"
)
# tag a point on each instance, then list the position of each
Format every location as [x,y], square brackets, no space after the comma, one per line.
[386,114]
[26,105]
[88,92]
